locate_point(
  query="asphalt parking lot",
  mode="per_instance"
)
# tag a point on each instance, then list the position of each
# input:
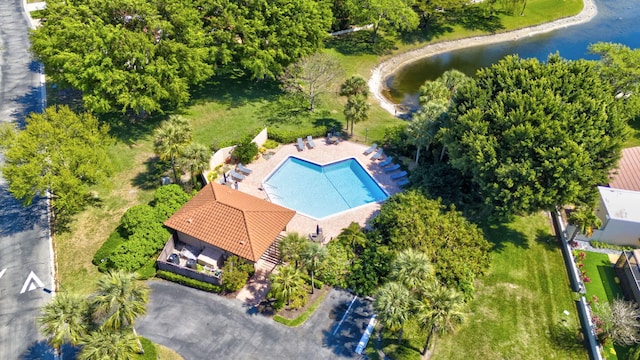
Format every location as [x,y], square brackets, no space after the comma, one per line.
[201,325]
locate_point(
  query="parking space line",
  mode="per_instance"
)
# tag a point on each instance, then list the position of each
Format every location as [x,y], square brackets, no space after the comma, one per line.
[344,316]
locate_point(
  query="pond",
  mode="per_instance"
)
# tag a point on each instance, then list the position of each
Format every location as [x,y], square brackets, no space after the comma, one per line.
[617,21]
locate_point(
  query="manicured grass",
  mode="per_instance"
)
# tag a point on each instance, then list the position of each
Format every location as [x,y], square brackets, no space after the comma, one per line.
[164,353]
[518,309]
[603,286]
[304,316]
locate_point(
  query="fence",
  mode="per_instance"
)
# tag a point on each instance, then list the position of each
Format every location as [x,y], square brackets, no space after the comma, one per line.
[584,311]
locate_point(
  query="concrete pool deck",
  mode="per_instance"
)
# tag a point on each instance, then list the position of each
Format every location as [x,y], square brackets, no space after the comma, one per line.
[322,153]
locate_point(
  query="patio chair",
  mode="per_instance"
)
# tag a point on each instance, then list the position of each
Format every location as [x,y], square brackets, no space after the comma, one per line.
[243,169]
[300,145]
[371,149]
[377,155]
[403,182]
[386,162]
[310,142]
[236,175]
[392,168]
[399,175]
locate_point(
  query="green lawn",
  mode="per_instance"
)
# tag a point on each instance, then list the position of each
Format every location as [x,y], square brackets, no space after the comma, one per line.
[519,305]
[603,286]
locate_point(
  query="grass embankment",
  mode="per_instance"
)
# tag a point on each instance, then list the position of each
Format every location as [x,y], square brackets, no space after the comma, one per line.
[227,110]
[518,309]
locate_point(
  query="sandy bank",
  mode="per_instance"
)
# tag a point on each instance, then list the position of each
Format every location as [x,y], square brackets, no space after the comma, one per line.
[382,71]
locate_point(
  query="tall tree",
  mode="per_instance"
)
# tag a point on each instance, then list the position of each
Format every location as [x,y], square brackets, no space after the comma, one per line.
[620,321]
[311,76]
[64,319]
[354,237]
[124,55]
[440,312]
[584,220]
[171,139]
[412,269]
[119,299]
[60,152]
[313,255]
[424,126]
[291,248]
[387,14]
[287,284]
[195,160]
[354,85]
[393,304]
[535,135]
[105,344]
[410,220]
[356,110]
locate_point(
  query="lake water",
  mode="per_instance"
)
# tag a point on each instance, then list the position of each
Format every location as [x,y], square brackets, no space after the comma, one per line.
[617,21]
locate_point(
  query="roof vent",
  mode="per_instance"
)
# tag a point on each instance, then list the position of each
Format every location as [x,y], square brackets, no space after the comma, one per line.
[189,221]
[241,242]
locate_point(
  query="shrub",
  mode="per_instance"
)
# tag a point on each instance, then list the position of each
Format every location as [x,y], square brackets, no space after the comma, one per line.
[138,215]
[183,280]
[317,283]
[235,273]
[113,241]
[148,270]
[245,151]
[168,199]
[270,144]
[602,245]
[288,136]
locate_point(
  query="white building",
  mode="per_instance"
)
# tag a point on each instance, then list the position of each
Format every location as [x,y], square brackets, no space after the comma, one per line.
[619,211]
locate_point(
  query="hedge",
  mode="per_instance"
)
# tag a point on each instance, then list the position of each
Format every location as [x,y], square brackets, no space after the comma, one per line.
[289,136]
[149,269]
[183,280]
[109,246]
[602,245]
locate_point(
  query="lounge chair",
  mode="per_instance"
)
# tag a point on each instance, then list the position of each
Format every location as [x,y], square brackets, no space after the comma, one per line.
[235,175]
[392,168]
[403,182]
[377,155]
[386,162]
[310,142]
[243,169]
[371,149]
[399,175]
[300,145]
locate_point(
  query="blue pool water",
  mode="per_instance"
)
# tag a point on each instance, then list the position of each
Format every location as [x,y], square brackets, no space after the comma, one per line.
[320,191]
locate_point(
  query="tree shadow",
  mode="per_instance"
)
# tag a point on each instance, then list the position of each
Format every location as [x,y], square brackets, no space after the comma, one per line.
[344,333]
[477,18]
[500,234]
[17,218]
[359,43]
[26,104]
[235,91]
[150,178]
[40,350]
[548,241]
[425,34]
[129,129]
[565,337]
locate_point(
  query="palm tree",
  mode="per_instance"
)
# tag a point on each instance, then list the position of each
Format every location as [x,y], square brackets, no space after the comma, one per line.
[439,312]
[584,219]
[313,255]
[393,305]
[412,269]
[109,345]
[355,85]
[354,236]
[356,109]
[424,126]
[64,319]
[453,80]
[196,160]
[291,247]
[287,283]
[170,140]
[120,298]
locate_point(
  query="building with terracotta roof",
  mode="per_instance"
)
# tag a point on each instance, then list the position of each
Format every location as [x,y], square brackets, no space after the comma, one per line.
[619,213]
[627,174]
[220,221]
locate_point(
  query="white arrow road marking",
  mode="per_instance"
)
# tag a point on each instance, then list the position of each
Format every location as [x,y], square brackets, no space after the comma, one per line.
[2,272]
[32,283]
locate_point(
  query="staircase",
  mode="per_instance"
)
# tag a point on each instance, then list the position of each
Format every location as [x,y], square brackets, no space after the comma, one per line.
[271,258]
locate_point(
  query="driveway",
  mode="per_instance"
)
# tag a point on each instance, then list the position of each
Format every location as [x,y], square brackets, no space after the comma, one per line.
[201,325]
[25,251]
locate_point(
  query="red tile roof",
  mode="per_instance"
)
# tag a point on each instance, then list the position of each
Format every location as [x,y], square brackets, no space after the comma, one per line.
[231,220]
[627,175]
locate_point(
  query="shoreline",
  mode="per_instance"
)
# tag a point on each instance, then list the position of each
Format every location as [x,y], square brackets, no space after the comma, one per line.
[391,65]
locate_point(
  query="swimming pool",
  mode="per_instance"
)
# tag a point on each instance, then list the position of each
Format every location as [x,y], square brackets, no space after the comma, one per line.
[322,190]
